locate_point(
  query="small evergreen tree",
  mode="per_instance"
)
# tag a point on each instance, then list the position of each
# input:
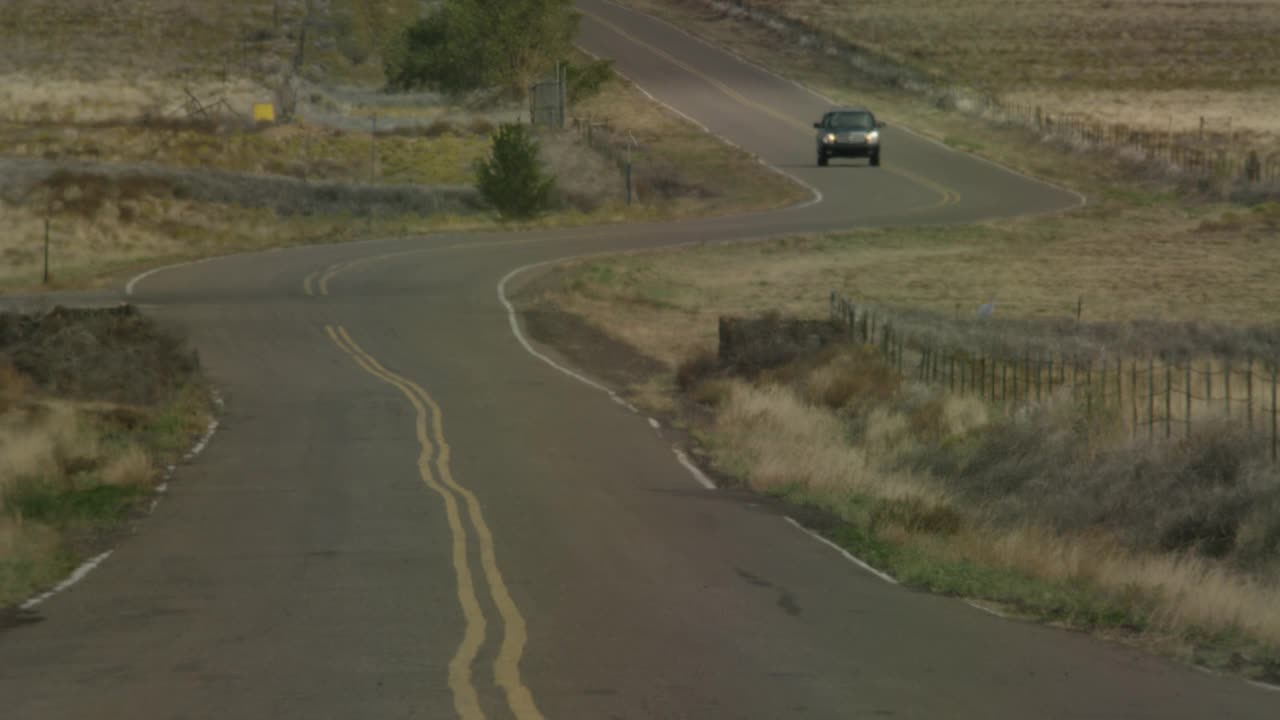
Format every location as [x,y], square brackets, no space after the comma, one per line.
[511,178]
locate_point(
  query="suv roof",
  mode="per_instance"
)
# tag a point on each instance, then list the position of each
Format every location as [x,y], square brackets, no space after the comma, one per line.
[848,109]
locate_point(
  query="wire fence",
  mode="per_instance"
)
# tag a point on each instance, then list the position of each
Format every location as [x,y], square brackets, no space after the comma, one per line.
[1153,396]
[1213,150]
[599,135]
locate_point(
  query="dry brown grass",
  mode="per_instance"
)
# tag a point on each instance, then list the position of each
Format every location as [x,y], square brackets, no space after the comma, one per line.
[36,441]
[778,442]
[667,302]
[130,466]
[67,60]
[1192,592]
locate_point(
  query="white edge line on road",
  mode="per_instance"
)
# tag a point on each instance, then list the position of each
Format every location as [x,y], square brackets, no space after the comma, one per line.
[655,424]
[514,321]
[984,608]
[697,474]
[75,577]
[204,441]
[88,566]
[129,286]
[847,555]
[815,192]
[1082,200]
[1264,686]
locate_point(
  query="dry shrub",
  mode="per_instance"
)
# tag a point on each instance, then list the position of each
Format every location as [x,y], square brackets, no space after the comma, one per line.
[1213,494]
[13,384]
[585,180]
[777,441]
[749,346]
[113,354]
[918,514]
[480,126]
[714,392]
[85,194]
[40,442]
[130,467]
[438,128]
[847,375]
[695,369]
[1189,591]
[651,183]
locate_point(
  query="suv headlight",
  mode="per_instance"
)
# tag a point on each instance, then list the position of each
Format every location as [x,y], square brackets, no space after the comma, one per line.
[829,138]
[873,136]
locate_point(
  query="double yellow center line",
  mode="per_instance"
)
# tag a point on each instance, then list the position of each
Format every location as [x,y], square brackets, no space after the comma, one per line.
[436,473]
[317,283]
[947,196]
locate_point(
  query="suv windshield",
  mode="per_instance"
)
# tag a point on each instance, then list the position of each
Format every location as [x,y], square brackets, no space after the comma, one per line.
[850,121]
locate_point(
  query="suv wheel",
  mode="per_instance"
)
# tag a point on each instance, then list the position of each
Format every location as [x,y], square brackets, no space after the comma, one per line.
[875,160]
[822,159]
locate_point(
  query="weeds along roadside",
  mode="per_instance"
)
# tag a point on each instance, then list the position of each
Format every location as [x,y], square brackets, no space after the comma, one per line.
[1053,513]
[1050,512]
[94,404]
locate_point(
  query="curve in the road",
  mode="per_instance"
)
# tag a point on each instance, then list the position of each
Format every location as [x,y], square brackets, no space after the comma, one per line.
[300,570]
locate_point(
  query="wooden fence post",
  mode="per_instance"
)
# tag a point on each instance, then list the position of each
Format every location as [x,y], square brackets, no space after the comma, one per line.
[1004,387]
[1039,371]
[1133,395]
[1151,396]
[1248,389]
[1102,383]
[1168,398]
[1088,388]
[1226,378]
[1208,383]
[1273,410]
[1120,383]
[1188,386]
[1015,380]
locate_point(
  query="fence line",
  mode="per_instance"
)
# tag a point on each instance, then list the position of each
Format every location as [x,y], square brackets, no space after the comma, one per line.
[1201,153]
[1155,394]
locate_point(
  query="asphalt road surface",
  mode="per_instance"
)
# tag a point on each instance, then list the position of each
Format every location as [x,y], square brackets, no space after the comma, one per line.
[406,514]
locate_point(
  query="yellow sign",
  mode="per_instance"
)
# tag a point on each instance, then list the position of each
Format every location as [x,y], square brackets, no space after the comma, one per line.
[264,112]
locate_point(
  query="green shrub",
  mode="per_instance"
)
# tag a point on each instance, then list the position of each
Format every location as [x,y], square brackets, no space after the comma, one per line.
[587,80]
[512,178]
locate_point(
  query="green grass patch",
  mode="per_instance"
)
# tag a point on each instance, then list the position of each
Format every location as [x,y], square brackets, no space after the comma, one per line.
[95,504]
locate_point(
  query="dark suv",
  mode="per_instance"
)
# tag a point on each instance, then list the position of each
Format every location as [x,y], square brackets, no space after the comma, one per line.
[849,132]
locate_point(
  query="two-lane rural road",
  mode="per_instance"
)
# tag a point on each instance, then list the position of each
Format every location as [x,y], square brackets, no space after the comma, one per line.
[407,514]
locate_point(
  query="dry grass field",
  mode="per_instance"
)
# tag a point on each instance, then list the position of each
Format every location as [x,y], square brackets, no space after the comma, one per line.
[103,89]
[1142,62]
[1206,264]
